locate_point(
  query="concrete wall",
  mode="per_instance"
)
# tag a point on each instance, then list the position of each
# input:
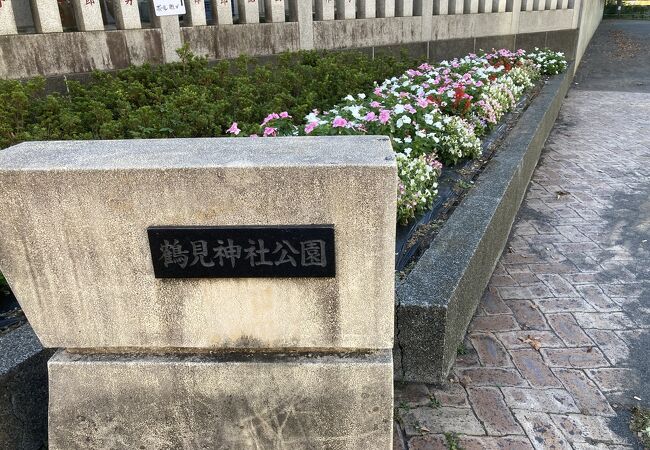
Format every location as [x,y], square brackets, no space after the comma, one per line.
[427,34]
[588,20]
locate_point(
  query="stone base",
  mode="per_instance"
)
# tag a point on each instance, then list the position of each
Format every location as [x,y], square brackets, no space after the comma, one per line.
[234,401]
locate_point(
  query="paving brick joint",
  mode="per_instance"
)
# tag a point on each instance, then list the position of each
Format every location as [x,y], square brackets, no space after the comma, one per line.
[559,348]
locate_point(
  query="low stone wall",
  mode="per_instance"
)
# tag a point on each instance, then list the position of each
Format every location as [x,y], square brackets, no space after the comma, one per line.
[438,298]
[435,36]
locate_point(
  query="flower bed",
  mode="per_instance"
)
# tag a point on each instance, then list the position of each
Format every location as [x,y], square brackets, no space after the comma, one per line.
[434,115]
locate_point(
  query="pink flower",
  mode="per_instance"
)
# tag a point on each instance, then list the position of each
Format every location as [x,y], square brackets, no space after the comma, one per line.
[270,131]
[370,117]
[310,127]
[284,115]
[378,92]
[270,117]
[339,122]
[375,104]
[384,116]
[403,94]
[410,108]
[423,102]
[233,129]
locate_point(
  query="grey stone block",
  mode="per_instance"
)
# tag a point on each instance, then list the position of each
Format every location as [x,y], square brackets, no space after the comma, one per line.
[438,298]
[23,391]
[86,279]
[231,402]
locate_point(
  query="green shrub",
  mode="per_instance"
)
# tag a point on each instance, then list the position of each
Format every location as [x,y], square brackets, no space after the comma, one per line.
[187,99]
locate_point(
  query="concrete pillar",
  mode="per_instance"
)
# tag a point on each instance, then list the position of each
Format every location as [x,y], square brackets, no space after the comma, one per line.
[441,7]
[403,8]
[499,5]
[222,12]
[515,7]
[7,18]
[88,15]
[576,5]
[195,13]
[456,6]
[264,323]
[551,4]
[385,8]
[366,9]
[301,12]
[127,15]
[325,9]
[424,8]
[274,10]
[170,32]
[471,6]
[249,11]
[46,16]
[346,9]
[485,6]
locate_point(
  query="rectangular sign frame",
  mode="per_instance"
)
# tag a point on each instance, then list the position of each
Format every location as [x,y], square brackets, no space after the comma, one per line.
[291,251]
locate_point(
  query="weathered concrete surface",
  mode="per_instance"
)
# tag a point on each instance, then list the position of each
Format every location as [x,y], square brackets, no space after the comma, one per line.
[23,390]
[230,41]
[439,296]
[236,402]
[74,247]
[29,55]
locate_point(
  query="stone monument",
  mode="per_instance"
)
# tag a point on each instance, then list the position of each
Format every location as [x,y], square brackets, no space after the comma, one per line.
[208,293]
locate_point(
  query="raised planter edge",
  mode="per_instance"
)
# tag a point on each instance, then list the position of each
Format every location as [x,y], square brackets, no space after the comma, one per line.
[437,299]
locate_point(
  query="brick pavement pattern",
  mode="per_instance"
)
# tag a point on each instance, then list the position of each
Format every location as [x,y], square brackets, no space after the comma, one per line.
[550,354]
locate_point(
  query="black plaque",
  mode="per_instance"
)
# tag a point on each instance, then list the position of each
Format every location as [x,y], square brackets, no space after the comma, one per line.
[243,252]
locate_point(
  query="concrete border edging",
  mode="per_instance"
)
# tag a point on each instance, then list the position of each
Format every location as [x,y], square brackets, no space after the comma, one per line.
[437,299]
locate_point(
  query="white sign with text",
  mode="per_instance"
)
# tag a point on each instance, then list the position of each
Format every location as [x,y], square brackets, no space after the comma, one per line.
[169,7]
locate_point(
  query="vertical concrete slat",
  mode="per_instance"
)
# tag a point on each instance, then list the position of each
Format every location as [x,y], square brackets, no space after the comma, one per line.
[274,10]
[403,8]
[441,7]
[195,13]
[471,7]
[576,6]
[551,4]
[301,12]
[325,9]
[485,6]
[7,19]
[515,7]
[499,6]
[456,6]
[249,11]
[127,15]
[385,8]
[46,16]
[366,9]
[527,5]
[88,15]
[539,5]
[170,34]
[222,12]
[346,9]
[424,8]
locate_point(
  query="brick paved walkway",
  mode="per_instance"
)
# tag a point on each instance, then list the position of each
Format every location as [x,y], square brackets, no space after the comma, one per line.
[560,344]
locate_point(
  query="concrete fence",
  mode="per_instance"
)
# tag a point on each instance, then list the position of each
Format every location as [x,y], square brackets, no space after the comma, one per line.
[55,37]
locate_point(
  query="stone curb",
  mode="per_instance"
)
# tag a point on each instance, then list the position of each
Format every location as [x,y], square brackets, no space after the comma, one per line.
[23,390]
[438,298]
